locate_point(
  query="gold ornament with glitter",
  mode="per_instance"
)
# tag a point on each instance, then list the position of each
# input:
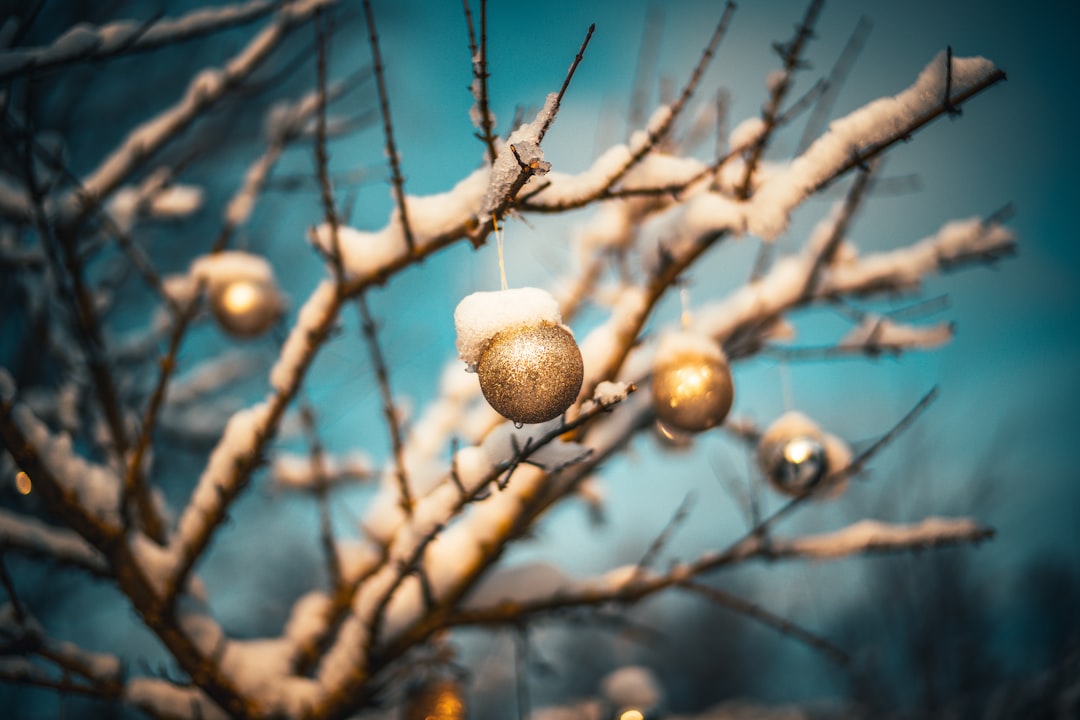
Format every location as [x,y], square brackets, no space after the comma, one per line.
[692,388]
[529,365]
[532,373]
[442,699]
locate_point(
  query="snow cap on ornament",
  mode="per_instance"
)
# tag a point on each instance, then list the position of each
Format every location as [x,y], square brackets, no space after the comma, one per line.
[799,458]
[244,298]
[529,365]
[632,693]
[692,389]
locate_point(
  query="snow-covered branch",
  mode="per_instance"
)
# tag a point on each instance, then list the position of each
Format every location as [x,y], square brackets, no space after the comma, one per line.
[85,42]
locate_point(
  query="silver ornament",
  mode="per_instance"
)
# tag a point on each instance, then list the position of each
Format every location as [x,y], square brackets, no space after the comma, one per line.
[794,466]
[246,307]
[693,392]
[532,373]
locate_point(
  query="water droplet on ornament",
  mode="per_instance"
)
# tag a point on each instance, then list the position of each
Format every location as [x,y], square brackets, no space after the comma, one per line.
[518,425]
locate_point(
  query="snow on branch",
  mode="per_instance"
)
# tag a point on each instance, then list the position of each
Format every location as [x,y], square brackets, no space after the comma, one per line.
[84,42]
[204,90]
[868,536]
[33,537]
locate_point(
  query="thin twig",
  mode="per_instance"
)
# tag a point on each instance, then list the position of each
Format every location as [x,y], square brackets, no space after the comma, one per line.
[390,412]
[566,84]
[321,489]
[478,56]
[656,547]
[780,624]
[394,159]
[321,157]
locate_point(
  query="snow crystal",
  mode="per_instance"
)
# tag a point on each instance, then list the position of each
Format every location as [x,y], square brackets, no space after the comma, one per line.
[480,316]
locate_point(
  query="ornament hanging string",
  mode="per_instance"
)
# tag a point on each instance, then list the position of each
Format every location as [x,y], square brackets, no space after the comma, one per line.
[785,387]
[499,234]
[686,317]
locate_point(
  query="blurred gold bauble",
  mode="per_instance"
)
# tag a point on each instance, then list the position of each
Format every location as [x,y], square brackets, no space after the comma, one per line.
[245,308]
[531,374]
[693,392]
[436,700]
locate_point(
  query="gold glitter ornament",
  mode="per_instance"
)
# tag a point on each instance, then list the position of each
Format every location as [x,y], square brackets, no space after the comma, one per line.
[436,700]
[531,373]
[692,391]
[245,307]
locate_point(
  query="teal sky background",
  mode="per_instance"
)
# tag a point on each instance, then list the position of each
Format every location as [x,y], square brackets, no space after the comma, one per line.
[1000,442]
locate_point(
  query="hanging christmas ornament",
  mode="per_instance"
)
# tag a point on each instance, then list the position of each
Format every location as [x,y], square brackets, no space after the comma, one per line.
[798,458]
[692,388]
[243,297]
[442,699]
[529,365]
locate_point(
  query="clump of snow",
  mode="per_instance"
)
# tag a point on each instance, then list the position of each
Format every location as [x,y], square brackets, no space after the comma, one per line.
[874,123]
[632,686]
[229,266]
[875,332]
[97,487]
[293,471]
[610,392]
[506,171]
[746,133]
[482,315]
[867,534]
[297,345]
[675,345]
[176,201]
[161,698]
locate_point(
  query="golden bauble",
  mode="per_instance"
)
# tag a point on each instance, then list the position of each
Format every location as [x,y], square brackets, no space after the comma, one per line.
[532,373]
[692,392]
[794,466]
[245,307]
[436,700]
